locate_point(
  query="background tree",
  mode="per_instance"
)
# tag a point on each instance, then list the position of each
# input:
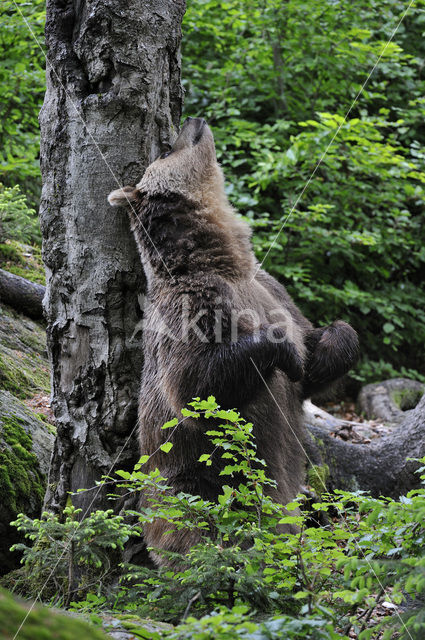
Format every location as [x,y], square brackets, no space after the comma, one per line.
[112,101]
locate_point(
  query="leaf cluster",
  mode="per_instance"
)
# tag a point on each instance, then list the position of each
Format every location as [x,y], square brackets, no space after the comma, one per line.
[312,582]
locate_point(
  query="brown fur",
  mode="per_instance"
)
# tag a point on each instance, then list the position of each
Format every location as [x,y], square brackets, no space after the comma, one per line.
[196,251]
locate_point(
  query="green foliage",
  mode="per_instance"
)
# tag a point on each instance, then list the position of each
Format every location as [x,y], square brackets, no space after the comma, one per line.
[335,577]
[246,578]
[381,370]
[70,557]
[17,220]
[243,557]
[225,566]
[389,541]
[275,79]
[22,86]
[236,624]
[324,579]
[362,237]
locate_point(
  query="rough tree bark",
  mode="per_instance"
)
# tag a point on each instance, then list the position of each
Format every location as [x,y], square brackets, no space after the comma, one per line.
[21,294]
[387,465]
[113,100]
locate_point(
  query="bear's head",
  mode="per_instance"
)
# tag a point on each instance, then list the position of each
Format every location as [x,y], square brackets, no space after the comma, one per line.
[189,168]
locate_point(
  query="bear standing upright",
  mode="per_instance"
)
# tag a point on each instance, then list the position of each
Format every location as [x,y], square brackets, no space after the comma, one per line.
[216,324]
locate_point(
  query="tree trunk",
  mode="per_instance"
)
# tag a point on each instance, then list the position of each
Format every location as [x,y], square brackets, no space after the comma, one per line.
[21,294]
[113,100]
[386,467]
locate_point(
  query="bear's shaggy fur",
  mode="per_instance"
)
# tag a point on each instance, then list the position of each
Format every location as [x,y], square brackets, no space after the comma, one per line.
[250,346]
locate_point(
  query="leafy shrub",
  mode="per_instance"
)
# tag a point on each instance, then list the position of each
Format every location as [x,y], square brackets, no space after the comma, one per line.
[324,578]
[237,624]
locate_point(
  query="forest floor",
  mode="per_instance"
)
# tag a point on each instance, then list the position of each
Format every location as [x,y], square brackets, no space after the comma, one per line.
[357,429]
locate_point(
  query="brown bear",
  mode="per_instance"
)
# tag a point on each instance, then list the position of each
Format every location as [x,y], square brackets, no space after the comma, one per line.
[217,324]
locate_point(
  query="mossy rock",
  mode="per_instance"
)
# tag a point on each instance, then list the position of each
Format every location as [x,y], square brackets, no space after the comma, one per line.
[390,399]
[24,367]
[137,626]
[26,443]
[407,399]
[23,260]
[42,623]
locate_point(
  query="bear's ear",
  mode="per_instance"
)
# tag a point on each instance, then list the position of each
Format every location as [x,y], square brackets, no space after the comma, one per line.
[123,196]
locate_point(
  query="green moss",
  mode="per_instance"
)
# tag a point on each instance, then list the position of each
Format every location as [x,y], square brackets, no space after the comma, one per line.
[18,331]
[21,481]
[22,260]
[42,623]
[8,253]
[407,399]
[317,477]
[49,426]
[318,441]
[138,626]
[24,367]
[23,374]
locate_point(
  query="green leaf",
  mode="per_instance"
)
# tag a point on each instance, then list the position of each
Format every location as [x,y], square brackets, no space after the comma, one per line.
[388,327]
[170,423]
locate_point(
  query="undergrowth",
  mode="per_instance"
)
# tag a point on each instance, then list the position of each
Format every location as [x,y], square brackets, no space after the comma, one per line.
[247,577]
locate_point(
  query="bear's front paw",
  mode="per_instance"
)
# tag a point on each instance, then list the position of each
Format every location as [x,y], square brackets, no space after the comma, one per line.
[285,354]
[290,361]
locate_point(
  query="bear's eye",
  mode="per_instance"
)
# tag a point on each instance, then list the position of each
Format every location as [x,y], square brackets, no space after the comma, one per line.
[164,155]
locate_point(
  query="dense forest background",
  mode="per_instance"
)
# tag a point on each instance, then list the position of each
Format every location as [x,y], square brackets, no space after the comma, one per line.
[275,81]
[318,111]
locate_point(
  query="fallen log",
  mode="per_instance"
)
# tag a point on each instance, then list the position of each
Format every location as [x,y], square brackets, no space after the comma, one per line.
[384,466]
[21,294]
